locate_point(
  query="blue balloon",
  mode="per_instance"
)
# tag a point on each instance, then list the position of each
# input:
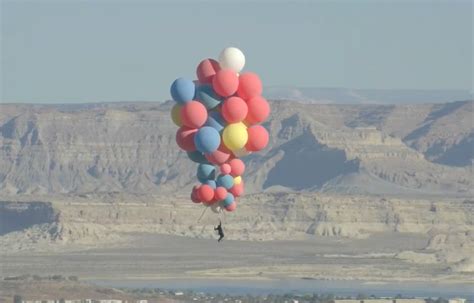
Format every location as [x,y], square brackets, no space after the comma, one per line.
[211,183]
[207,139]
[215,120]
[197,157]
[226,181]
[183,90]
[206,95]
[229,199]
[206,172]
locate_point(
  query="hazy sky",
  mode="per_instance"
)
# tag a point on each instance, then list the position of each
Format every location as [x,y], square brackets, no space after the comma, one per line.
[89,51]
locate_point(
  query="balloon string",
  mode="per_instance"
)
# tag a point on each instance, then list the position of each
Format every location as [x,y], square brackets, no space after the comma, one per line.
[222,212]
[202,214]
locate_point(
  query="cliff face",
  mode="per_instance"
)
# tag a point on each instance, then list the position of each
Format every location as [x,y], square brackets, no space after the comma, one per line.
[369,149]
[445,226]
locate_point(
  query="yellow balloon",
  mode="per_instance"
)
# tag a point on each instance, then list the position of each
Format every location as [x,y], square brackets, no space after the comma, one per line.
[235,136]
[176,115]
[238,180]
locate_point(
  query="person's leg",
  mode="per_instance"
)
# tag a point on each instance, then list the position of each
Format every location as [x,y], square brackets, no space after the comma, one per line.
[220,238]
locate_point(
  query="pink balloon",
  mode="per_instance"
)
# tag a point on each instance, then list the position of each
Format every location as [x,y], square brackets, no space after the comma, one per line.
[249,86]
[220,156]
[206,193]
[207,69]
[225,82]
[231,207]
[225,169]
[258,138]
[234,109]
[238,189]
[185,138]
[258,110]
[193,114]
[220,193]
[237,167]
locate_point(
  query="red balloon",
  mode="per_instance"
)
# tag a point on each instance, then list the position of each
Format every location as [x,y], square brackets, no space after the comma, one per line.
[220,156]
[225,82]
[225,169]
[220,193]
[234,109]
[231,207]
[237,167]
[206,70]
[205,193]
[258,110]
[258,138]
[193,114]
[185,138]
[249,86]
[195,195]
[238,189]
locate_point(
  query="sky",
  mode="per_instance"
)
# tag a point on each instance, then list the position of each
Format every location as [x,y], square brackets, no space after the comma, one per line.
[102,51]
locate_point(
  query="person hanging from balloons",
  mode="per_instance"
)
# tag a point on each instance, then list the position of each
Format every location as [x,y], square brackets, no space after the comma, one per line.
[219,231]
[219,118]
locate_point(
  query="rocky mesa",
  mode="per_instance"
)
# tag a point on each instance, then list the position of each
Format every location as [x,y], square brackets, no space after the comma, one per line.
[365,149]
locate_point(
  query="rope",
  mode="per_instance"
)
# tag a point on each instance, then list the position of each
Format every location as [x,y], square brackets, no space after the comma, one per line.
[203,212]
[222,212]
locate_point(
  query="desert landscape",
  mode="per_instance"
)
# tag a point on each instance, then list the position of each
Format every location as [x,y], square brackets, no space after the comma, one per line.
[375,193]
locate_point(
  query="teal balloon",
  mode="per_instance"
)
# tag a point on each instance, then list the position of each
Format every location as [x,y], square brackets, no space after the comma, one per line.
[207,139]
[206,95]
[183,90]
[229,199]
[197,157]
[211,183]
[226,181]
[216,121]
[206,172]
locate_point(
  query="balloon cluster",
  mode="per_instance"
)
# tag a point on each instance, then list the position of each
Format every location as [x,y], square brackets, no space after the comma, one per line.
[218,117]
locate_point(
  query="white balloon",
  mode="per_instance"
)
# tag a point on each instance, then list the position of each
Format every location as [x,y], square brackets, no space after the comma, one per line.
[233,58]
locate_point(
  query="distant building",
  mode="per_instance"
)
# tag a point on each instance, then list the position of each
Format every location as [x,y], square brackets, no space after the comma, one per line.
[82,301]
[385,301]
[178,293]
[457,300]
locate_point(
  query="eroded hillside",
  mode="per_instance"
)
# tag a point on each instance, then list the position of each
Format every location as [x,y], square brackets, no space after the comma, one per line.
[367,149]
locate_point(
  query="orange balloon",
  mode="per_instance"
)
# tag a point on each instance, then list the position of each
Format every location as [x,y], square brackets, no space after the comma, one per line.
[206,70]
[231,207]
[206,193]
[185,138]
[249,86]
[238,189]
[225,82]
[258,110]
[234,110]
[220,193]
[193,114]
[237,167]
[258,138]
